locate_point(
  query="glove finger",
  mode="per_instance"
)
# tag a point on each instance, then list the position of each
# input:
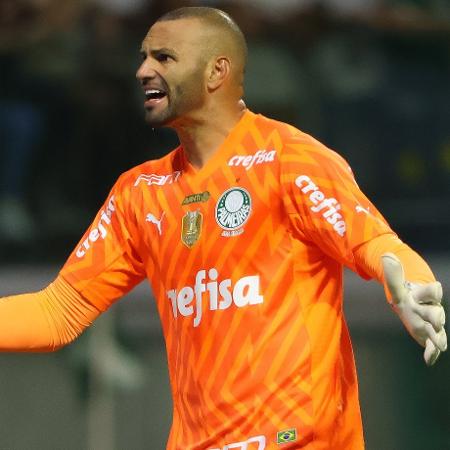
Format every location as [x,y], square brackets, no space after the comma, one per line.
[428,293]
[439,339]
[394,276]
[431,353]
[432,314]
[444,339]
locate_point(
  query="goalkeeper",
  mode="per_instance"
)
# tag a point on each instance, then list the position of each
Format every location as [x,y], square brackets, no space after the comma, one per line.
[243,232]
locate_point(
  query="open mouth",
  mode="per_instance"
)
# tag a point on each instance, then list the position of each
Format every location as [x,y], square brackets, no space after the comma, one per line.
[154,96]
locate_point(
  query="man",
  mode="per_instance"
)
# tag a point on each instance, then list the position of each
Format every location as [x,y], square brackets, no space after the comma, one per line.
[242,231]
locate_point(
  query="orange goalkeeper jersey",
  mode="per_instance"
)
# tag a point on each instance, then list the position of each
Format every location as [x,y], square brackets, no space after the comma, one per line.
[245,258]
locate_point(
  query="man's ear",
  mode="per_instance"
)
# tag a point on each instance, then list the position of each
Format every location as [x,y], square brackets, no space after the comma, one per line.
[219,71]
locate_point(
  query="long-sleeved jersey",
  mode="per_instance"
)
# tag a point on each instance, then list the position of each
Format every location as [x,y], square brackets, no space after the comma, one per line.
[245,257]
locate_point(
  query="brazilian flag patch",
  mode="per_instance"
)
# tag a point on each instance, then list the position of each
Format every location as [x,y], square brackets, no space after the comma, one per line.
[287,436]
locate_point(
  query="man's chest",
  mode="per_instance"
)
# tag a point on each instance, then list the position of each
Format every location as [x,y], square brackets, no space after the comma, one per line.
[224,218]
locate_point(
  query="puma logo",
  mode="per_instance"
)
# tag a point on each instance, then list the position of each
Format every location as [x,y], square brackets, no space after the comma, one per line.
[152,219]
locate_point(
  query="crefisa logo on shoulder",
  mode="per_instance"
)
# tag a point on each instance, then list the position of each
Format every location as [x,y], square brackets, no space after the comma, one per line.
[232,211]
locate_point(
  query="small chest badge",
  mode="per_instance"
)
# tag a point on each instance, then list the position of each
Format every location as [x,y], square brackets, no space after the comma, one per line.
[232,211]
[196,198]
[191,227]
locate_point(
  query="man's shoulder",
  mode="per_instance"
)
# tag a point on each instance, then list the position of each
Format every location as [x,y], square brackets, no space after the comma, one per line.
[294,141]
[268,125]
[287,133]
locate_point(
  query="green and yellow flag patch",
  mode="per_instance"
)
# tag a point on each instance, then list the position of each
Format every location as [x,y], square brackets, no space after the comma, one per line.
[287,436]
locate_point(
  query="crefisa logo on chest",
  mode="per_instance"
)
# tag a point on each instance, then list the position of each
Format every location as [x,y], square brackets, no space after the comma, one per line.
[232,211]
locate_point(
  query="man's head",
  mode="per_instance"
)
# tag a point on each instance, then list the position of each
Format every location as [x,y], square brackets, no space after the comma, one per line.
[191,57]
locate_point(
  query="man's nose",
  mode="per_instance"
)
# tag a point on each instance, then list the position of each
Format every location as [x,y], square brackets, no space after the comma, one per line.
[145,70]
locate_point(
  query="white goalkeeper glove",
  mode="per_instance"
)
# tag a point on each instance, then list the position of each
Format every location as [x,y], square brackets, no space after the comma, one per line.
[419,308]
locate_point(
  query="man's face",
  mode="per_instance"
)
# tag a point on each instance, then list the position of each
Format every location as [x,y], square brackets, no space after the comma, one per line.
[172,73]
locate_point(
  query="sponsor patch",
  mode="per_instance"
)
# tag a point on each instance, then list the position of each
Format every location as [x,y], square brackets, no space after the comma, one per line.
[196,198]
[328,208]
[100,230]
[248,161]
[212,293]
[254,443]
[159,180]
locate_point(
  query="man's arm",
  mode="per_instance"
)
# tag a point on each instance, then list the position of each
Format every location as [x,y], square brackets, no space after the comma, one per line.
[46,320]
[326,206]
[103,267]
[417,301]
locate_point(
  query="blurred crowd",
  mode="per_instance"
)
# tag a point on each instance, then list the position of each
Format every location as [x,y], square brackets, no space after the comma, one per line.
[370,78]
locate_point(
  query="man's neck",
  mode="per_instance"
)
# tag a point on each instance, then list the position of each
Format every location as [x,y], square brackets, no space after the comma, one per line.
[200,139]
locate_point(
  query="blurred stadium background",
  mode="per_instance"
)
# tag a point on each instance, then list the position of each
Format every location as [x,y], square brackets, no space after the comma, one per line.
[370,78]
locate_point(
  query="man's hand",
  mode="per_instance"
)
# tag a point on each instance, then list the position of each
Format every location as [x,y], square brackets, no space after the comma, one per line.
[419,308]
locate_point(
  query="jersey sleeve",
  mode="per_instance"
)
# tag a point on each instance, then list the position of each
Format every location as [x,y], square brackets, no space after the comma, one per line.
[45,320]
[324,203]
[106,264]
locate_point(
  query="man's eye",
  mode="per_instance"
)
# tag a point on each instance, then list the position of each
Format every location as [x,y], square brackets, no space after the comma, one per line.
[162,57]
